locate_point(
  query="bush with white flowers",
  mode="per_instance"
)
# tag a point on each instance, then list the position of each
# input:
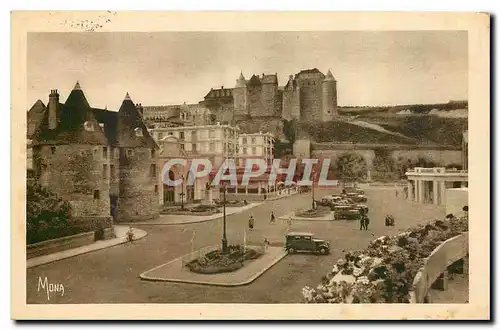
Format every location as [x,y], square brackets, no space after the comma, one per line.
[384,272]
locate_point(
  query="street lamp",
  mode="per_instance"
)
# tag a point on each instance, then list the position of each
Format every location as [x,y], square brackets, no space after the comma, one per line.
[224,237]
[312,186]
[182,192]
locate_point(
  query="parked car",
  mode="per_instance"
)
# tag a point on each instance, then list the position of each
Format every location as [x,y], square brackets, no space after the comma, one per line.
[347,212]
[356,198]
[305,242]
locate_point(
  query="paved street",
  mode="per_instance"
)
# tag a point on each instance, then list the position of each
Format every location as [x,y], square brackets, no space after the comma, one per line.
[112,275]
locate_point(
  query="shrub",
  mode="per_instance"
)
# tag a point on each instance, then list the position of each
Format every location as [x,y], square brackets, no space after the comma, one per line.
[47,215]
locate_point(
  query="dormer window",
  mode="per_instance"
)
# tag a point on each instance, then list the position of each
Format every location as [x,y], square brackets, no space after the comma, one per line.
[88,126]
[138,131]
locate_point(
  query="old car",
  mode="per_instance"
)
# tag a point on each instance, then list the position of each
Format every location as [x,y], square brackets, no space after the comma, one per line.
[356,198]
[305,242]
[347,212]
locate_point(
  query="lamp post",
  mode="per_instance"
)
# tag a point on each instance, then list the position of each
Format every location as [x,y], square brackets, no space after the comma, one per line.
[182,193]
[312,186]
[224,237]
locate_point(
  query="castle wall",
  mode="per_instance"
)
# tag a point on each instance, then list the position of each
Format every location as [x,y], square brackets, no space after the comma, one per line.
[291,104]
[269,98]
[138,185]
[311,102]
[329,95]
[240,100]
[254,101]
[77,174]
[440,157]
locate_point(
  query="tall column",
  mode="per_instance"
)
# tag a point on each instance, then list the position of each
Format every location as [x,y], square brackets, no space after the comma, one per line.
[435,187]
[410,190]
[259,188]
[443,192]
[421,192]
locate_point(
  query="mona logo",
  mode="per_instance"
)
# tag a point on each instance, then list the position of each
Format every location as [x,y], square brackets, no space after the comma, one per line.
[44,285]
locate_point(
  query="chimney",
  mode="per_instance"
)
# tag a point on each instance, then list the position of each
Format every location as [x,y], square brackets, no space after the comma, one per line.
[221,87]
[54,115]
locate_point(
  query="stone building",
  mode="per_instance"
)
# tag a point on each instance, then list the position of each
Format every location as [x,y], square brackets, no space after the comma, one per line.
[214,142]
[307,96]
[103,162]
[256,145]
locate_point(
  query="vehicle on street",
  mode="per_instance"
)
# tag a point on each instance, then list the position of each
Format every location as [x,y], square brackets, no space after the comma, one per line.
[348,212]
[356,198]
[305,242]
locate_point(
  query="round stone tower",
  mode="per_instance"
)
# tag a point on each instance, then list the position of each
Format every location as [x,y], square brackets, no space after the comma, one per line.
[329,97]
[240,97]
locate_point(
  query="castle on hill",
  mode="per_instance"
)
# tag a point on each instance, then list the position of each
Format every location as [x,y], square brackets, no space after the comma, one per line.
[307,96]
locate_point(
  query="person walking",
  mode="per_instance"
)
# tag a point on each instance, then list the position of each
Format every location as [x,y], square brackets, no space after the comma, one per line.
[366,222]
[251,222]
[273,218]
[362,222]
[289,223]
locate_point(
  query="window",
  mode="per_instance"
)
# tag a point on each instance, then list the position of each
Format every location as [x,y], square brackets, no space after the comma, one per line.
[254,151]
[170,133]
[95,151]
[182,146]
[138,131]
[182,136]
[212,134]
[211,146]
[193,147]
[129,152]
[104,152]
[112,171]
[253,140]
[156,188]
[152,170]
[244,151]
[105,171]
[160,136]
[112,152]
[53,150]
[153,153]
[117,153]
[97,195]
[88,126]
[244,140]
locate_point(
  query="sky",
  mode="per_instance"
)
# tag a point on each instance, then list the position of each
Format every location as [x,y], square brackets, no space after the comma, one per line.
[160,68]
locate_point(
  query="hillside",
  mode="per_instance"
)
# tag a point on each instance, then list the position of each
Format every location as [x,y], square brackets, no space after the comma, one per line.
[412,108]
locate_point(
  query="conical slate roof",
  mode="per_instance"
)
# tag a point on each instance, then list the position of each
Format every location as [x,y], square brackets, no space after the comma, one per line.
[70,130]
[130,129]
[329,76]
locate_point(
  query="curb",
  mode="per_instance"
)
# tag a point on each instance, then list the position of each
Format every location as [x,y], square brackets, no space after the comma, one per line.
[246,282]
[139,234]
[156,223]
[287,216]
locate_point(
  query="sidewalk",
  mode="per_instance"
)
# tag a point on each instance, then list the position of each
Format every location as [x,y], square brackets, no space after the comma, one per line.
[281,196]
[174,272]
[164,219]
[121,237]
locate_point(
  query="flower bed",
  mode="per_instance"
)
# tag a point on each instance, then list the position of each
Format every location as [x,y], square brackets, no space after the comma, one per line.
[384,272]
[196,210]
[318,212]
[217,262]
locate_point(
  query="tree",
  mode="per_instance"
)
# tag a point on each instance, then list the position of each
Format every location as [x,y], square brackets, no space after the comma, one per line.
[351,166]
[47,214]
[290,130]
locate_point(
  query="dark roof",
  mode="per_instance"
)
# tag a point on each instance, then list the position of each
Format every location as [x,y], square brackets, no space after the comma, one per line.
[35,117]
[254,81]
[221,92]
[127,121]
[119,126]
[315,70]
[70,130]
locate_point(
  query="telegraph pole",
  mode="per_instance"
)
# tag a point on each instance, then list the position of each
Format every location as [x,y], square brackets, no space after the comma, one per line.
[182,193]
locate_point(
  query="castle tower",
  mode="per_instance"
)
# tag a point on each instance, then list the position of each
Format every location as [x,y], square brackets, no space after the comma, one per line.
[329,95]
[291,100]
[240,97]
[138,169]
[69,158]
